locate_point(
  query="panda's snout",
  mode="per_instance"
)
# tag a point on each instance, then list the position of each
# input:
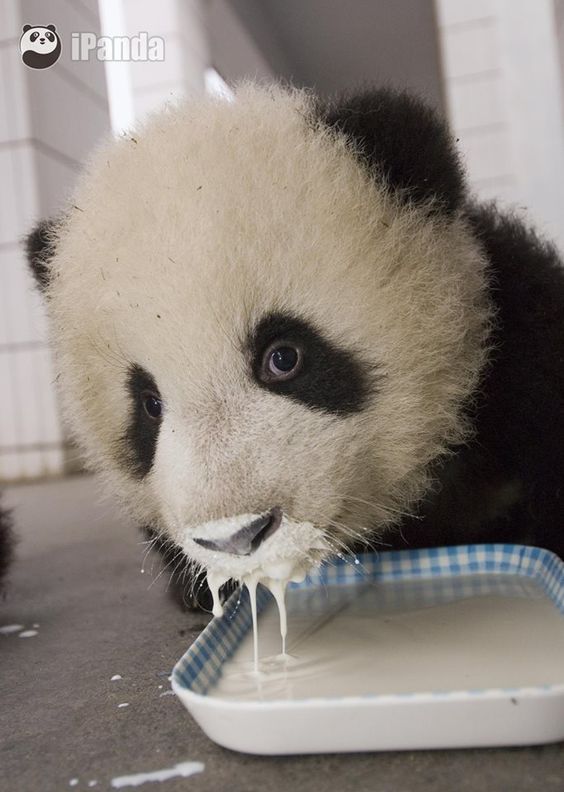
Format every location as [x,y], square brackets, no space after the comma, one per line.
[248,538]
[42,40]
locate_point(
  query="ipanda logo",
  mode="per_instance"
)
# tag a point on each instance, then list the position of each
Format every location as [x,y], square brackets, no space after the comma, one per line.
[40,46]
[141,47]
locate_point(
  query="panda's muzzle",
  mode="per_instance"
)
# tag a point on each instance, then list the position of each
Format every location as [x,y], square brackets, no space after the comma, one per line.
[248,538]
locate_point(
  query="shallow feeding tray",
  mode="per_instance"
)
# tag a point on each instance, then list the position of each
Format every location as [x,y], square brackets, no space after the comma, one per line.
[440,648]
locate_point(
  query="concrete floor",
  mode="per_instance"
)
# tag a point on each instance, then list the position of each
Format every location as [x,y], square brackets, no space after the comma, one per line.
[78,577]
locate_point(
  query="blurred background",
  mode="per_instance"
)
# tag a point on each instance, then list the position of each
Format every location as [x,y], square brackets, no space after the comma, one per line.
[494,67]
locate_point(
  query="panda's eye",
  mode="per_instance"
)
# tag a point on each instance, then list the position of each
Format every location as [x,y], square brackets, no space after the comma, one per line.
[50,36]
[152,405]
[34,36]
[281,361]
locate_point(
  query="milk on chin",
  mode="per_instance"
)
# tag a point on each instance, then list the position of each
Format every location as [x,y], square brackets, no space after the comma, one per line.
[275,577]
[284,557]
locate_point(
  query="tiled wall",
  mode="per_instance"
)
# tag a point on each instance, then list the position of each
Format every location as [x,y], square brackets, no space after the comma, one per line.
[503,79]
[48,122]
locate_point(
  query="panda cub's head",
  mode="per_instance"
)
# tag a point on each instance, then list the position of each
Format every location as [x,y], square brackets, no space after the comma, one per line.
[267,316]
[40,46]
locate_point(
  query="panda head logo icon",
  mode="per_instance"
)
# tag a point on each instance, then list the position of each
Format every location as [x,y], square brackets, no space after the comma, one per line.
[40,46]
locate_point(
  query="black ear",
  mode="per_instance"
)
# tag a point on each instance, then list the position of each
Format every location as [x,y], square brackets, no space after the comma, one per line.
[400,138]
[26,28]
[40,249]
[51,28]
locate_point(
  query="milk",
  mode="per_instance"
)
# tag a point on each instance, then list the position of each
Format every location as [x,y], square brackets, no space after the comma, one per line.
[275,576]
[477,632]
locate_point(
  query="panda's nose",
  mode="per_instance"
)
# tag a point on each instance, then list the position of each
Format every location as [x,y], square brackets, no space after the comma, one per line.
[42,40]
[248,538]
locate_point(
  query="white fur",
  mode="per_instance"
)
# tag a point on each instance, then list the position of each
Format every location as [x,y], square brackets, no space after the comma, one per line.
[210,216]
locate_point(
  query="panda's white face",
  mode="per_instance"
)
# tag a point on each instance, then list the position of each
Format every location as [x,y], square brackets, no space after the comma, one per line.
[242,319]
[38,39]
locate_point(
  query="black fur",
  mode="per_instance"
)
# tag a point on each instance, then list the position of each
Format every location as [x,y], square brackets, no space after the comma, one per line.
[7,542]
[186,589]
[40,249]
[400,138]
[137,447]
[508,483]
[331,378]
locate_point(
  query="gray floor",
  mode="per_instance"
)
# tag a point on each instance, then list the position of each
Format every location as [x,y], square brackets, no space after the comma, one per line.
[78,577]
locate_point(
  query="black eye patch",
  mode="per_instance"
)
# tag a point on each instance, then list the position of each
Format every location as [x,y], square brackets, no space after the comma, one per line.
[138,444]
[330,378]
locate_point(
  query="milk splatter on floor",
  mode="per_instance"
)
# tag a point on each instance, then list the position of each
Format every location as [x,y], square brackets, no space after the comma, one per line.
[125,704]
[183,770]
[8,629]
[115,677]
[11,629]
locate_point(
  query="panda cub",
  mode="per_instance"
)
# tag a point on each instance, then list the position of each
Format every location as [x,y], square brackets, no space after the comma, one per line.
[283,329]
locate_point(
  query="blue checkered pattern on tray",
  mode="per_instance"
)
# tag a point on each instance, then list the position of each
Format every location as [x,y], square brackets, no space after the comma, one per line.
[200,667]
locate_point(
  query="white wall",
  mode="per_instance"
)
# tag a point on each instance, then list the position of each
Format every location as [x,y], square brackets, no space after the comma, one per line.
[48,122]
[234,52]
[151,84]
[335,45]
[503,80]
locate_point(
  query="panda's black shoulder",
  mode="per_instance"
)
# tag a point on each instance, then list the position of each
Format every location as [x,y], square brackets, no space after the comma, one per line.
[526,276]
[522,415]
